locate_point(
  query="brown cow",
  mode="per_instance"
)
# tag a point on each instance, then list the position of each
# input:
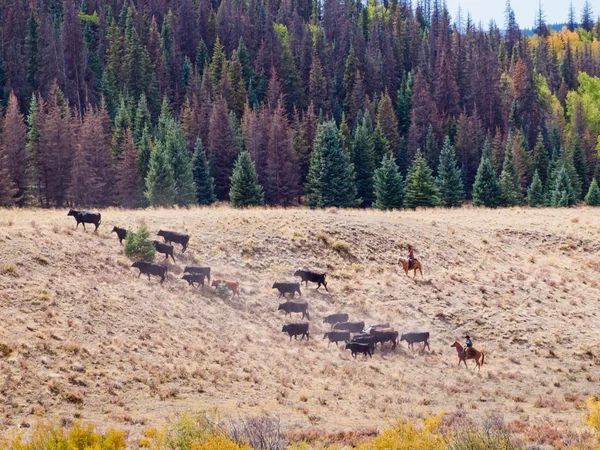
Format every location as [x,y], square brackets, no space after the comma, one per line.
[233,286]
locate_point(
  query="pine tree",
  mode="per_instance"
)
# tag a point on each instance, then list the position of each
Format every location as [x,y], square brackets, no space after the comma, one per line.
[449,180]
[486,190]
[205,184]
[8,189]
[562,194]
[160,181]
[581,166]
[175,145]
[541,162]
[83,185]
[387,122]
[509,181]
[14,140]
[362,158]
[593,196]
[535,194]
[317,86]
[223,147]
[127,173]
[122,122]
[142,119]
[388,185]
[245,190]
[216,65]
[32,49]
[33,144]
[420,185]
[330,180]
[432,150]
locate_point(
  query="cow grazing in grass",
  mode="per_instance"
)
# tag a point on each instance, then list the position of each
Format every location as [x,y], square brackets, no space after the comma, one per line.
[356,347]
[192,278]
[337,336]
[121,233]
[174,236]
[198,269]
[233,286]
[165,249]
[352,327]
[84,217]
[332,319]
[287,288]
[296,329]
[313,277]
[148,268]
[413,338]
[293,307]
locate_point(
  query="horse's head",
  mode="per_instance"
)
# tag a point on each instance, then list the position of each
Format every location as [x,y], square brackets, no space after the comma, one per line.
[456,345]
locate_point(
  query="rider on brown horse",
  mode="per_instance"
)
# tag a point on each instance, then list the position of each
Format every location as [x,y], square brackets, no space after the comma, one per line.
[468,345]
[411,258]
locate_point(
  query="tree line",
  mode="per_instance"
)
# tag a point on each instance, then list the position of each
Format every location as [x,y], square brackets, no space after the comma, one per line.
[385,105]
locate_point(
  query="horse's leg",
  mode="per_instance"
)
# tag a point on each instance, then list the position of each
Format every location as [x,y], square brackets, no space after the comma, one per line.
[421,270]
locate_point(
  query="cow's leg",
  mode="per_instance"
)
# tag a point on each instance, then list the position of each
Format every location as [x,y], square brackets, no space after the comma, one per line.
[148,276]
[83,223]
[97,225]
[140,274]
[428,347]
[325,284]
[290,338]
[77,225]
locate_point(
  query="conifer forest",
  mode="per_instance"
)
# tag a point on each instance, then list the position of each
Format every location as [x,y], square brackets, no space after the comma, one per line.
[325,103]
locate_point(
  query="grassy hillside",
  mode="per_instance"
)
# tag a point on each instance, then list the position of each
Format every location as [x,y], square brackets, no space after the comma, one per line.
[82,337]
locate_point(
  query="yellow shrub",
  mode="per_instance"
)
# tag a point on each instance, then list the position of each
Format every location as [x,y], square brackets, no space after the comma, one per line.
[592,415]
[421,435]
[190,432]
[48,436]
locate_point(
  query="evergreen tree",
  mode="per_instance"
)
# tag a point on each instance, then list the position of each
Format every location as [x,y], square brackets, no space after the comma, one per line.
[245,190]
[33,145]
[32,49]
[175,145]
[160,181]
[535,194]
[420,185]
[205,184]
[362,158]
[14,141]
[562,194]
[432,155]
[581,167]
[216,64]
[387,122]
[593,196]
[486,190]
[449,180]
[541,162]
[388,185]
[122,122]
[330,180]
[142,119]
[222,142]
[127,173]
[509,181]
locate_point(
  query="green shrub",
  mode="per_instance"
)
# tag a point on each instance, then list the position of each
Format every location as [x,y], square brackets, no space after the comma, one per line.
[222,290]
[138,246]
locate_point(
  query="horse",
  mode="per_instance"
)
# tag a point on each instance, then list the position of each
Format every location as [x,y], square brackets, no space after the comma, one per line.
[406,266]
[473,354]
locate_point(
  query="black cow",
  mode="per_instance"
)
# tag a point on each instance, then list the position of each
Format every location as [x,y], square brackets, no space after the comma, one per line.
[337,336]
[287,288]
[121,233]
[192,278]
[356,347]
[313,277]
[198,269]
[365,339]
[385,335]
[85,217]
[296,329]
[293,307]
[352,327]
[174,236]
[332,319]
[412,338]
[165,249]
[149,268]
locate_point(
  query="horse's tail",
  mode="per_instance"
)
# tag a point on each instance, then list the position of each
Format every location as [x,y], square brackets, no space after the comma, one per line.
[482,358]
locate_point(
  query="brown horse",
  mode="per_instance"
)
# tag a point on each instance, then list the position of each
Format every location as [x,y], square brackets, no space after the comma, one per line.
[406,266]
[473,354]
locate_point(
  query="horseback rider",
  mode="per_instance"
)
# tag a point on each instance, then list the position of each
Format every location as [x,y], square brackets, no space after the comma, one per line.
[411,257]
[468,345]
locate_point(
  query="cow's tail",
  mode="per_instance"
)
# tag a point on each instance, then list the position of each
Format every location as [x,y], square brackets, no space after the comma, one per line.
[307,315]
[100,221]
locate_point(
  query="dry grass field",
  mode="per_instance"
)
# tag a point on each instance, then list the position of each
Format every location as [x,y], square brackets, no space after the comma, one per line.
[81,336]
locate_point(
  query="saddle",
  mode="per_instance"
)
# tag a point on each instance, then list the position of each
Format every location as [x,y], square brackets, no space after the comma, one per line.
[469,351]
[411,263]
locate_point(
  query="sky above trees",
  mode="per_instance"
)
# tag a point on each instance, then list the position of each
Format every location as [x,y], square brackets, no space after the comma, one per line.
[525,10]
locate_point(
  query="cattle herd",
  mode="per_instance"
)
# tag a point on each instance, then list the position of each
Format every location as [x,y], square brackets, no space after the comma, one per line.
[358,338]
